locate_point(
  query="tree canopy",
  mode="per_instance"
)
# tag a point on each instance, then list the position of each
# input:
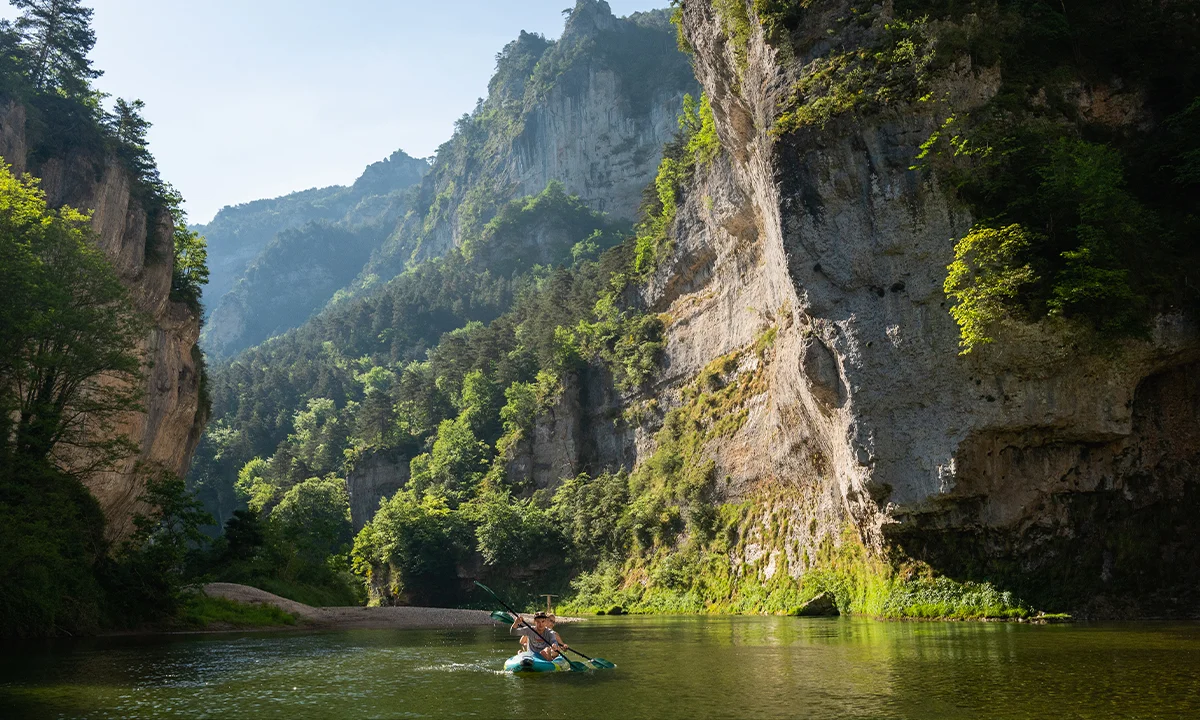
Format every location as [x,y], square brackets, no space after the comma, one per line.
[57,36]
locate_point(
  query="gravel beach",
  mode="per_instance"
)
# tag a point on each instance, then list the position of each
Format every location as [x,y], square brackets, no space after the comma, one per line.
[357,618]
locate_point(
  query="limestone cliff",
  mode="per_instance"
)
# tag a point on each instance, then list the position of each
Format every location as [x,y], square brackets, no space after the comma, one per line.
[140,245]
[591,110]
[1042,465]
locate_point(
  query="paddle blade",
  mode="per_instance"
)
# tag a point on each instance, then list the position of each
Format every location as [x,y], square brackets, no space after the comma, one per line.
[502,617]
[577,666]
[603,664]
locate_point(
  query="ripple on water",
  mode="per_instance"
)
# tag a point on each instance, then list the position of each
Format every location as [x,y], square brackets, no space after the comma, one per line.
[669,668]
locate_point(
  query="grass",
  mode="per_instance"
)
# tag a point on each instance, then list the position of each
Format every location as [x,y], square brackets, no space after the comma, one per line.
[314,595]
[696,578]
[203,611]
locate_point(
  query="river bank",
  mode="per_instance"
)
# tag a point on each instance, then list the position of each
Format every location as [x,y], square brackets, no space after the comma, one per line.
[306,617]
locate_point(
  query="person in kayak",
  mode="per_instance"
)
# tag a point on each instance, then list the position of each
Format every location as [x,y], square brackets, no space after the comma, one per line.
[544,624]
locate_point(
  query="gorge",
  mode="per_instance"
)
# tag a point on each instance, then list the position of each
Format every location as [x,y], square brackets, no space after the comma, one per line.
[773,398]
[719,308]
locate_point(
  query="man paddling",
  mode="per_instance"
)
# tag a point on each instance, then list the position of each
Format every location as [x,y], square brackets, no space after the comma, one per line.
[548,648]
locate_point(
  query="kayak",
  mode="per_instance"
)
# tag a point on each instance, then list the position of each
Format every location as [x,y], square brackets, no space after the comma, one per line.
[526,663]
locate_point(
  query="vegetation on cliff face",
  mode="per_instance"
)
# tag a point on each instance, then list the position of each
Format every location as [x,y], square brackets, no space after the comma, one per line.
[69,368]
[1081,169]
[697,145]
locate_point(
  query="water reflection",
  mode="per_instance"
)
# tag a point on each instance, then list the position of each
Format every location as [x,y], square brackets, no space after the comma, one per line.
[669,668]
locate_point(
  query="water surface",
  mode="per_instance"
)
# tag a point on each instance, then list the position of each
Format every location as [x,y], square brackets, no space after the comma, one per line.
[694,667]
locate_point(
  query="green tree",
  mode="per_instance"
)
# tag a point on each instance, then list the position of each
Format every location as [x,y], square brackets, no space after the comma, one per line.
[130,128]
[148,576]
[409,552]
[986,279]
[58,36]
[69,363]
[315,516]
[190,272]
[320,438]
[421,405]
[257,485]
[590,511]
[375,421]
[455,465]
[512,533]
[480,404]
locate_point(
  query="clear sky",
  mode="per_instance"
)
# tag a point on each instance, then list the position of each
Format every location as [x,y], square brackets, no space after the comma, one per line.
[258,98]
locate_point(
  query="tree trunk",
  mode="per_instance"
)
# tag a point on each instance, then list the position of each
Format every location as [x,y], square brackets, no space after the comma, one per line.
[39,76]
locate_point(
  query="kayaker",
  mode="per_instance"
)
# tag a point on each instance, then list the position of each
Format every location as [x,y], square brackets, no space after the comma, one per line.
[544,624]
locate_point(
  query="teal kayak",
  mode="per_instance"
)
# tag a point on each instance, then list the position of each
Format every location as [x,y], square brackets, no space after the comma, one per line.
[526,663]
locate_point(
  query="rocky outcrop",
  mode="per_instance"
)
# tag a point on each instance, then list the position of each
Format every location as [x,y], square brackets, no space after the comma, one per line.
[1046,467]
[140,244]
[592,111]
[582,430]
[374,478]
[550,451]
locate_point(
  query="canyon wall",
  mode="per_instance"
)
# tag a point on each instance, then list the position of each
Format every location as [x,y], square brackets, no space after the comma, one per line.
[140,244]
[807,267]
[1041,463]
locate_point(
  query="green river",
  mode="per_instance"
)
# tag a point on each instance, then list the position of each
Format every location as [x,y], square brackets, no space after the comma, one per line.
[669,667]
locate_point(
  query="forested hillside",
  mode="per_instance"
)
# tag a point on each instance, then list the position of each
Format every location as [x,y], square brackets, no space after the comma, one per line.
[275,262]
[903,319]
[101,383]
[510,247]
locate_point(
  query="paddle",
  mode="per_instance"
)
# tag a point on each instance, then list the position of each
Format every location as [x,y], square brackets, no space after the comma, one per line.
[504,617]
[598,662]
[575,666]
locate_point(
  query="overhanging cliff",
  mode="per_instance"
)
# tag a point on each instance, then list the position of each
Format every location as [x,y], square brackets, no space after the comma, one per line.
[805,296]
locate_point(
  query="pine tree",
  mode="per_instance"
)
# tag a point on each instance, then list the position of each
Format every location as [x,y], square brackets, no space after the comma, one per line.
[58,36]
[130,129]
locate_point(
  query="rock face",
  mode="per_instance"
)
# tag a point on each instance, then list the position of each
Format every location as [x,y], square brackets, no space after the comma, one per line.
[374,478]
[822,605]
[1064,473]
[592,111]
[141,250]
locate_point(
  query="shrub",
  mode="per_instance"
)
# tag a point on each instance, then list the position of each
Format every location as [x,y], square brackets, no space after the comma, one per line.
[986,280]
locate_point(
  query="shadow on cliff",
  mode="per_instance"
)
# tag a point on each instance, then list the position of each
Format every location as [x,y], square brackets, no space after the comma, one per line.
[1105,529]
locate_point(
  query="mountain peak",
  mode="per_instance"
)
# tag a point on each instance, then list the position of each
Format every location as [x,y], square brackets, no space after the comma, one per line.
[396,171]
[590,17]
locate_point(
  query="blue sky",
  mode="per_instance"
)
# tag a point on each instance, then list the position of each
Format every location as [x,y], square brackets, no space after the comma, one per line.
[257,98]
